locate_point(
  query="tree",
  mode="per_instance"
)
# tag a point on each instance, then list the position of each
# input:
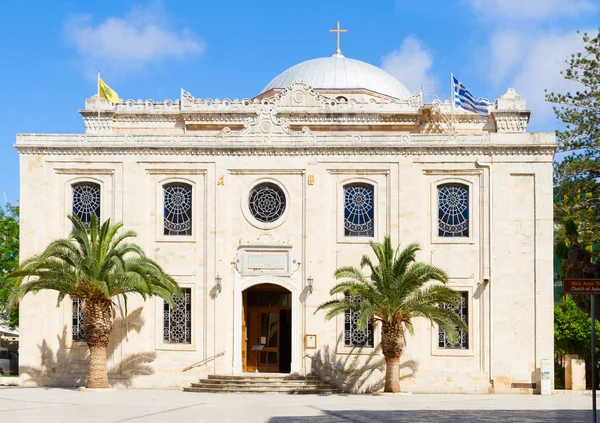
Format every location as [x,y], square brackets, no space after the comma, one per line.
[395,292]
[9,260]
[573,333]
[577,190]
[94,265]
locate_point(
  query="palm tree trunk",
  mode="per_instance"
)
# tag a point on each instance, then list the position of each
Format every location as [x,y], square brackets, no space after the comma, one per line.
[392,344]
[97,326]
[392,375]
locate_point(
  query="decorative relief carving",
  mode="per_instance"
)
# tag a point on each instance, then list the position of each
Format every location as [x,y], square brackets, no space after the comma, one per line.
[191,103]
[326,144]
[299,94]
[96,125]
[511,121]
[265,124]
[264,239]
[290,151]
[265,255]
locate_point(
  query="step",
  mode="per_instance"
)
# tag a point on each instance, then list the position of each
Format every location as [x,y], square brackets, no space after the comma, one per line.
[270,391]
[208,384]
[265,377]
[263,382]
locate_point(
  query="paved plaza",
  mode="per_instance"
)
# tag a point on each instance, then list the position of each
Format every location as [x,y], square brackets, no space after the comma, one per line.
[33,405]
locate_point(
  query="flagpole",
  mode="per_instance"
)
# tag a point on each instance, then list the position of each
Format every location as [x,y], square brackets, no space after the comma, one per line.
[451,100]
[98,103]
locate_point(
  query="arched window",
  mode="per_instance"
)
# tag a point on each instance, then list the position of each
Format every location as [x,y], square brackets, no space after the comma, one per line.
[86,201]
[177,209]
[359,210]
[453,210]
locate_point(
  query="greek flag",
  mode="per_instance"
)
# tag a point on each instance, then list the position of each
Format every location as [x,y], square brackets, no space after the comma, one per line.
[464,99]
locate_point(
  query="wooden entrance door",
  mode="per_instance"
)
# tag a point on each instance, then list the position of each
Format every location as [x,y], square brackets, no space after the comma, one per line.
[244,334]
[263,333]
[263,336]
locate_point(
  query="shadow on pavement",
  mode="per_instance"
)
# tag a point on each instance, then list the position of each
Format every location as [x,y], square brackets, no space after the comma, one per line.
[444,416]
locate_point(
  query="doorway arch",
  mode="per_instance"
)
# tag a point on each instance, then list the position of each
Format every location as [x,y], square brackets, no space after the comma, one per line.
[266,329]
[243,285]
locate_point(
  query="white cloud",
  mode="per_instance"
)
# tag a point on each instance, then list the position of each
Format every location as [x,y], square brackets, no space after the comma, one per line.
[531,9]
[533,66]
[506,54]
[125,44]
[411,64]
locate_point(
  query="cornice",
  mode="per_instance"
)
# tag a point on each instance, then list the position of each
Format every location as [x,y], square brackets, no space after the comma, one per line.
[319,150]
[281,141]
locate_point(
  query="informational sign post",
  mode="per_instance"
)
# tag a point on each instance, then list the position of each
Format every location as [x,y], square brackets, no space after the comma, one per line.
[589,287]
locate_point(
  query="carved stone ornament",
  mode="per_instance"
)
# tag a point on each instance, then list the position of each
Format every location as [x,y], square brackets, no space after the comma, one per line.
[300,94]
[265,124]
[515,121]
[264,239]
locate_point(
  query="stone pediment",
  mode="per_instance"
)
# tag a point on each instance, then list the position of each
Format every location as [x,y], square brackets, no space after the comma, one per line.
[300,94]
[265,124]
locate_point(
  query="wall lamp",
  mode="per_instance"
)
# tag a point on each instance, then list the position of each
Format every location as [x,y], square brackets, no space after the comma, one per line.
[310,281]
[218,283]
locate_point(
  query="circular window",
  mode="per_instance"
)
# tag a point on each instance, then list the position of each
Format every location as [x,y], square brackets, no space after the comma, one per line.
[266,202]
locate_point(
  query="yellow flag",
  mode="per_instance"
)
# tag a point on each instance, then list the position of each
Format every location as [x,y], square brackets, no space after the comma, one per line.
[107,93]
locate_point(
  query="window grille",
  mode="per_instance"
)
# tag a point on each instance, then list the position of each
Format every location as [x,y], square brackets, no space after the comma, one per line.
[267,202]
[177,209]
[453,210]
[86,201]
[353,336]
[77,328]
[462,309]
[359,210]
[178,320]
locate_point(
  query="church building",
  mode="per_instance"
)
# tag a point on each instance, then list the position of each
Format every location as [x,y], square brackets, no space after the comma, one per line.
[251,204]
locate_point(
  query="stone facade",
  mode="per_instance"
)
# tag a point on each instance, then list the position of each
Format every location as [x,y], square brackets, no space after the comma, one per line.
[311,145]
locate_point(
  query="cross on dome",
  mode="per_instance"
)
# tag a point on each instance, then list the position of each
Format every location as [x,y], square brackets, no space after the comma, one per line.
[339,31]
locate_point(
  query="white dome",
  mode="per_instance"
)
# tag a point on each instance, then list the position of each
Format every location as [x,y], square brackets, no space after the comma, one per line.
[340,73]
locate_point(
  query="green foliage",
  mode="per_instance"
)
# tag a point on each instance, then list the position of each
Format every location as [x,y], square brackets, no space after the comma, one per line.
[95,264]
[561,250]
[396,290]
[577,190]
[9,260]
[573,330]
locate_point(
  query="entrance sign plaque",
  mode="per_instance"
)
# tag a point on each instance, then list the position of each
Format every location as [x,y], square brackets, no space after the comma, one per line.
[267,261]
[581,286]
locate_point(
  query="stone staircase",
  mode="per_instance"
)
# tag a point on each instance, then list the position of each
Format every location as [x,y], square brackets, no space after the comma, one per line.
[263,384]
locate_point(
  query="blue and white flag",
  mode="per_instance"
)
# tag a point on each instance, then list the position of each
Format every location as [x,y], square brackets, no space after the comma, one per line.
[464,99]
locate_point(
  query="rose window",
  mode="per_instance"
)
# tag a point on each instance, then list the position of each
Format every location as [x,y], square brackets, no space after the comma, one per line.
[267,202]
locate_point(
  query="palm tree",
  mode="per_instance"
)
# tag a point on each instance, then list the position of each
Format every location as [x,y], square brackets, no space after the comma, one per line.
[396,291]
[94,265]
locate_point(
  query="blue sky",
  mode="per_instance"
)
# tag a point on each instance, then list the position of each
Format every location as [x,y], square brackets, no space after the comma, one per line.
[148,50]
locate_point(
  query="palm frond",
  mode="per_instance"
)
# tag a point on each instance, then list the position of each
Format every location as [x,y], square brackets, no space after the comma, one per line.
[94,264]
[396,290]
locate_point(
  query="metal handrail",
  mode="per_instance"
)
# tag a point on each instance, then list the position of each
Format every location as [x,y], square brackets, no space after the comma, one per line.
[335,366]
[203,362]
